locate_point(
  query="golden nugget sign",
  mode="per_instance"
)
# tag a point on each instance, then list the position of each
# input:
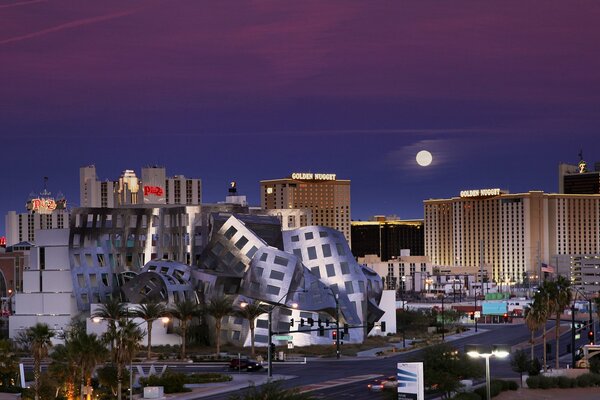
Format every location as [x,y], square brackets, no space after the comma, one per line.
[480,193]
[314,177]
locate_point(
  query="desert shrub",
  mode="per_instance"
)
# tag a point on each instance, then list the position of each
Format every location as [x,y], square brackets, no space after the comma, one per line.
[548,382]
[595,365]
[534,367]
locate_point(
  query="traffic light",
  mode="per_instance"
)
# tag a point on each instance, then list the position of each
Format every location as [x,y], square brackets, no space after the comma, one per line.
[382,326]
[334,335]
[310,321]
[327,322]
[346,327]
[591,336]
[472,315]
[505,317]
[292,322]
[301,322]
[321,331]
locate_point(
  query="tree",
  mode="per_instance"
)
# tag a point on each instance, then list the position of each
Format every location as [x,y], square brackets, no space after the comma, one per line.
[184,311]
[150,312]
[251,312]
[218,308]
[112,310]
[559,297]
[541,309]
[9,373]
[520,363]
[40,336]
[89,352]
[64,369]
[536,318]
[444,367]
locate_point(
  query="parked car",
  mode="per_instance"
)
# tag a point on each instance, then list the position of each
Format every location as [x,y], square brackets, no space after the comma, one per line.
[379,384]
[244,364]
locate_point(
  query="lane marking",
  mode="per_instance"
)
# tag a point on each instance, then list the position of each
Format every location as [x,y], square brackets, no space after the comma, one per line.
[337,382]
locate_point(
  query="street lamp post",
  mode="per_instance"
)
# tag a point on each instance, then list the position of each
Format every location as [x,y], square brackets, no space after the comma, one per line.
[482,351]
[337,321]
[475,311]
[590,322]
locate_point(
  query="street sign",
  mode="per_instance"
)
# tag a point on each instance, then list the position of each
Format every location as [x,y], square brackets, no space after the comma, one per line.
[477,314]
[283,337]
[290,345]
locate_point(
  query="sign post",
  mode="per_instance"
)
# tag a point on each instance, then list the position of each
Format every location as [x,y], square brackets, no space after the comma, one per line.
[410,381]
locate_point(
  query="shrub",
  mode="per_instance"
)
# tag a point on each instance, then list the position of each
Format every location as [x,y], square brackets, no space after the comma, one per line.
[565,382]
[595,365]
[534,367]
[467,396]
[272,391]
[173,382]
[207,377]
[585,380]
[548,382]
[533,382]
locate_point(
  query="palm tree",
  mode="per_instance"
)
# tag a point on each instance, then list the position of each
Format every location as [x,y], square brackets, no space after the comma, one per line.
[184,311]
[89,351]
[40,337]
[541,300]
[535,319]
[251,312]
[218,308]
[560,296]
[64,368]
[150,312]
[8,364]
[112,310]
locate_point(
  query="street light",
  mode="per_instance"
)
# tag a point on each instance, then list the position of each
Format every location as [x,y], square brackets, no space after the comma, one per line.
[337,321]
[590,322]
[487,351]
[269,310]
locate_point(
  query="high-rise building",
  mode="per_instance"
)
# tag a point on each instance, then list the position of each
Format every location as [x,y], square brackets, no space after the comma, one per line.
[578,179]
[327,197]
[514,234]
[44,211]
[154,188]
[387,236]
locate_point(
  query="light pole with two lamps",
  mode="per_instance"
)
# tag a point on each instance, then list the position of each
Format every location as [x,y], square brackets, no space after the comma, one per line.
[127,320]
[487,352]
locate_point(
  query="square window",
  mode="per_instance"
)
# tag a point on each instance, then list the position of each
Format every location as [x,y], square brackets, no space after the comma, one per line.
[230,232]
[345,268]
[349,287]
[323,234]
[277,275]
[263,257]
[340,249]
[308,235]
[316,271]
[312,253]
[274,290]
[330,270]
[326,250]
[295,238]
[241,242]
[251,252]
[281,261]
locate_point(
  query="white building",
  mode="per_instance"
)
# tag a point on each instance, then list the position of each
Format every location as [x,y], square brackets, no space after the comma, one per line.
[154,188]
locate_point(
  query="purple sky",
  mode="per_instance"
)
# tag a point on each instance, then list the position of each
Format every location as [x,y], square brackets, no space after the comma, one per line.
[500,93]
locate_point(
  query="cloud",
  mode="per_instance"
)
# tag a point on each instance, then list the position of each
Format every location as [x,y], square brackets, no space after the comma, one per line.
[21,3]
[68,25]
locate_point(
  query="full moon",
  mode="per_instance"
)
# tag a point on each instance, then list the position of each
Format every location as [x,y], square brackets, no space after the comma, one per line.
[424,158]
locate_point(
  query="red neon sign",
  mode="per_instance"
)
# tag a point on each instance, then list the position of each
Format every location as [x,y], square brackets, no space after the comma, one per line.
[155,190]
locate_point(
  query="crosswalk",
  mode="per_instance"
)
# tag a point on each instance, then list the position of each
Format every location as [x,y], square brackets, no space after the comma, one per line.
[337,382]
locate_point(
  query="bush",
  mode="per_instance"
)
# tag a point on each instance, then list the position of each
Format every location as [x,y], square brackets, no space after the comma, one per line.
[495,389]
[467,396]
[207,377]
[272,391]
[173,382]
[533,382]
[548,382]
[585,380]
[565,382]
[534,367]
[595,365]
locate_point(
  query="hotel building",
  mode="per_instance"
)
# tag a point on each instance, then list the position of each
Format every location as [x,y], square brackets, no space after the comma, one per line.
[153,188]
[327,197]
[387,237]
[513,234]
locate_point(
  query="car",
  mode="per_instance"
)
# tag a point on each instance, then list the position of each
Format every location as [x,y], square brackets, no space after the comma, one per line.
[380,384]
[245,364]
